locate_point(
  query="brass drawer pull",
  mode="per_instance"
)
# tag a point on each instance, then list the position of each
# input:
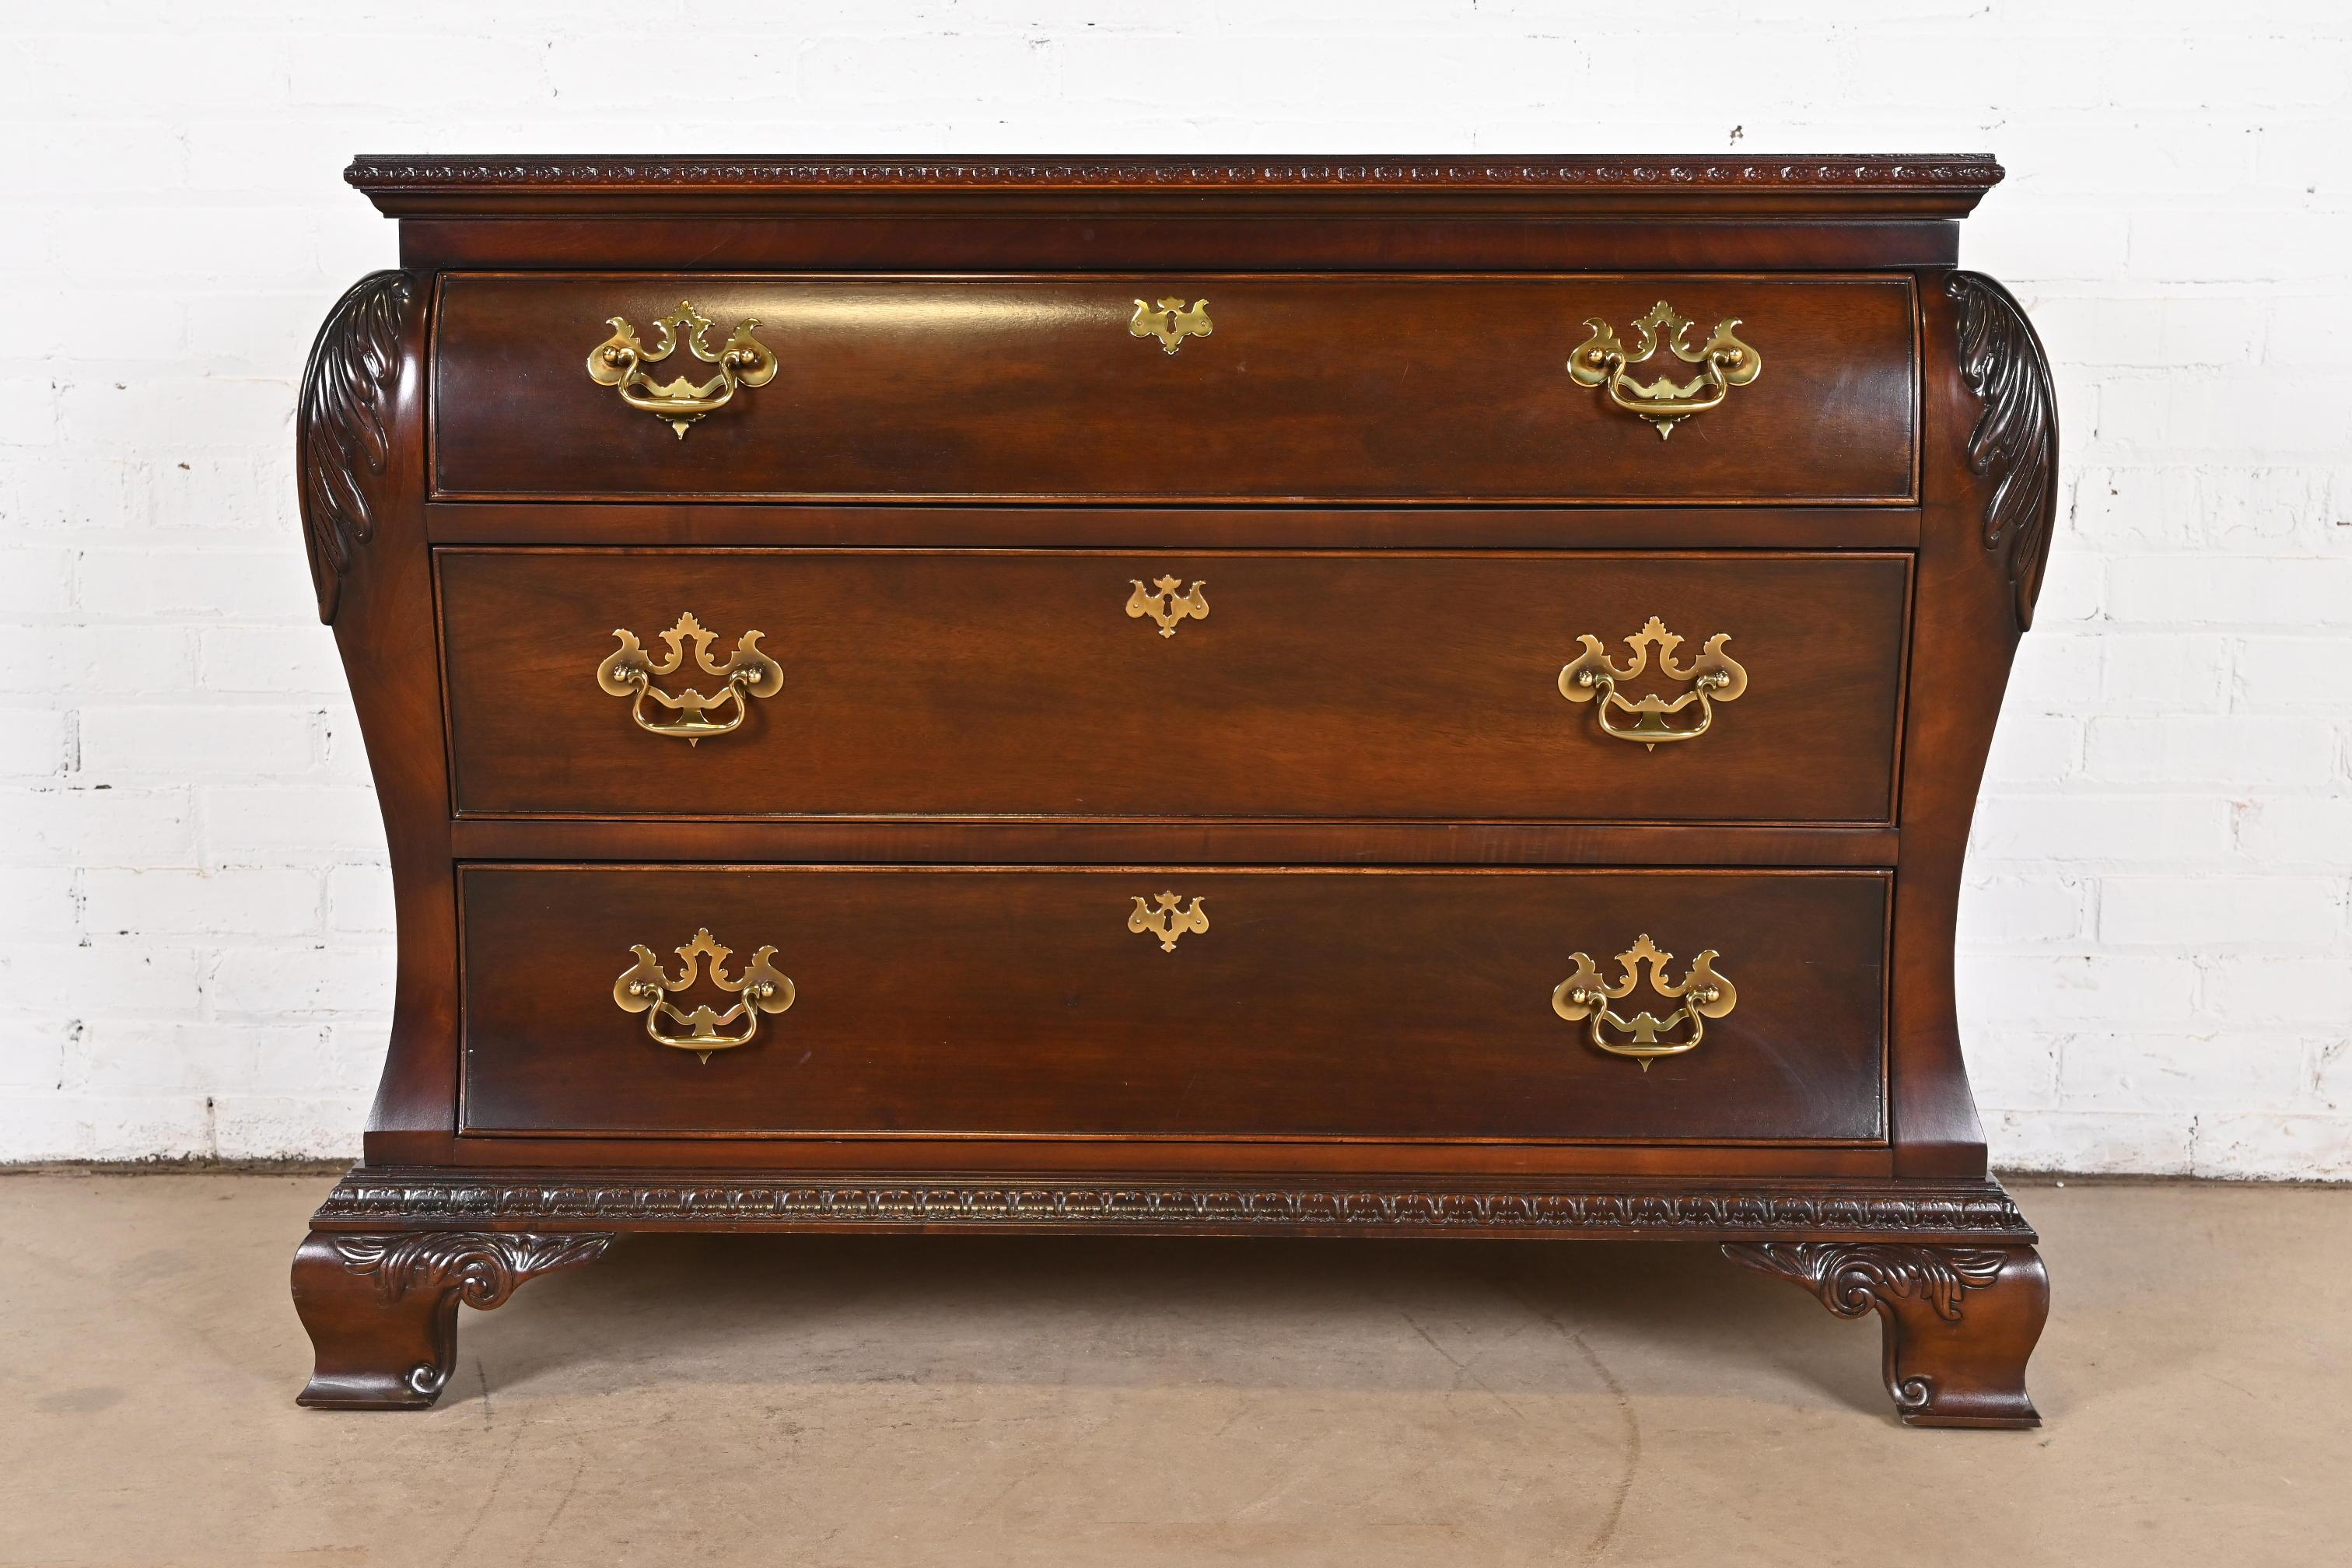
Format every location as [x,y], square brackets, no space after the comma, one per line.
[620,362]
[1703,993]
[1723,360]
[628,670]
[1167,923]
[1715,677]
[643,987]
[1164,604]
[1170,323]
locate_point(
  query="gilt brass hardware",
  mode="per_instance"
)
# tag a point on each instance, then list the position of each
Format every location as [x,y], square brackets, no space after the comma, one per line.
[1715,677]
[1702,992]
[643,987]
[1168,923]
[620,362]
[1166,606]
[628,669]
[1170,323]
[1723,360]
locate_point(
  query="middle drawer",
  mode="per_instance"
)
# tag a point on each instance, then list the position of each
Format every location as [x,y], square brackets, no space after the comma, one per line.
[1581,687]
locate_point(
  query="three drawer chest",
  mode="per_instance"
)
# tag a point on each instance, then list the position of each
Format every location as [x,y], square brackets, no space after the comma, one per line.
[1235,697]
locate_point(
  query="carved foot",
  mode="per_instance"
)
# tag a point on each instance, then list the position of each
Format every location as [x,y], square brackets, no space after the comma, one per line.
[1959,1320]
[382,1309]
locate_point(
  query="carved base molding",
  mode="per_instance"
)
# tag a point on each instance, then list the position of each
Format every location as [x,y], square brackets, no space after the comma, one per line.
[1949,1266]
[1689,1209]
[1959,1322]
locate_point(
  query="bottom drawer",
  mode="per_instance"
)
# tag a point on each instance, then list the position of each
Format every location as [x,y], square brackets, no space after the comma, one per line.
[1269,1004]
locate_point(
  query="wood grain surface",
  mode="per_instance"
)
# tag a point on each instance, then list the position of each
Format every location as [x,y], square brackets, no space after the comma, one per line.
[1448,388]
[1318,685]
[1352,1005]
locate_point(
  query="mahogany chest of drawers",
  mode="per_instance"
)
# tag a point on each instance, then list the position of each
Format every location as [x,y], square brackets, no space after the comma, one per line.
[1422,698]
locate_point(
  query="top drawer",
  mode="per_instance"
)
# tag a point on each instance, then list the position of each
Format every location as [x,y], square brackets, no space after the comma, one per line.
[1350,388]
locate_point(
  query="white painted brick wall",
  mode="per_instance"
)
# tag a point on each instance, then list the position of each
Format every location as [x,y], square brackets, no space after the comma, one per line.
[2157,972]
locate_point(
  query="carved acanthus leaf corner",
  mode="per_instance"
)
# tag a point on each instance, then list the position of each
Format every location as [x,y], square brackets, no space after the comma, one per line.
[345,442]
[2015,441]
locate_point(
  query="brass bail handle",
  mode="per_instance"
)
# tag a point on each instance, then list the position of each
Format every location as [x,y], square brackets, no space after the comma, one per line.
[620,362]
[644,987]
[1584,997]
[630,671]
[1724,363]
[1714,677]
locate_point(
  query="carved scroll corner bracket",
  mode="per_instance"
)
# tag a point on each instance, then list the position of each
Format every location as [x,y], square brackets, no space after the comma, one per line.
[2013,445]
[1959,1322]
[380,1307]
[1593,677]
[1584,997]
[1724,361]
[645,987]
[343,430]
[620,362]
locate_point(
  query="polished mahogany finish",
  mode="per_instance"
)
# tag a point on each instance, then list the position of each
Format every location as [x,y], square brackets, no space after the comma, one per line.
[1375,1004]
[1344,388]
[1381,830]
[1372,685]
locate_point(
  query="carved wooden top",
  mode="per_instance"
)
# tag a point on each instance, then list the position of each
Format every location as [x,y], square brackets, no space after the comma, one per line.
[1841,185]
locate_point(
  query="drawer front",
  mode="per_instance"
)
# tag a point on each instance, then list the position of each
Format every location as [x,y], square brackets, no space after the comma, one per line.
[1407,1005]
[1070,684]
[1349,388]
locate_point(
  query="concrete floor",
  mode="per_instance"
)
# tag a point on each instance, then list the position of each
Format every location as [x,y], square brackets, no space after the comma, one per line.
[893,1402]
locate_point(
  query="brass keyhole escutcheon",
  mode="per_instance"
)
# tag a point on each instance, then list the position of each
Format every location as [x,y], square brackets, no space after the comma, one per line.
[1165,604]
[1171,322]
[1162,918]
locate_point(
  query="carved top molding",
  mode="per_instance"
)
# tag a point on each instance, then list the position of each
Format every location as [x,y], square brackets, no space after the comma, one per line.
[1975,172]
[1942,185]
[1693,1210]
